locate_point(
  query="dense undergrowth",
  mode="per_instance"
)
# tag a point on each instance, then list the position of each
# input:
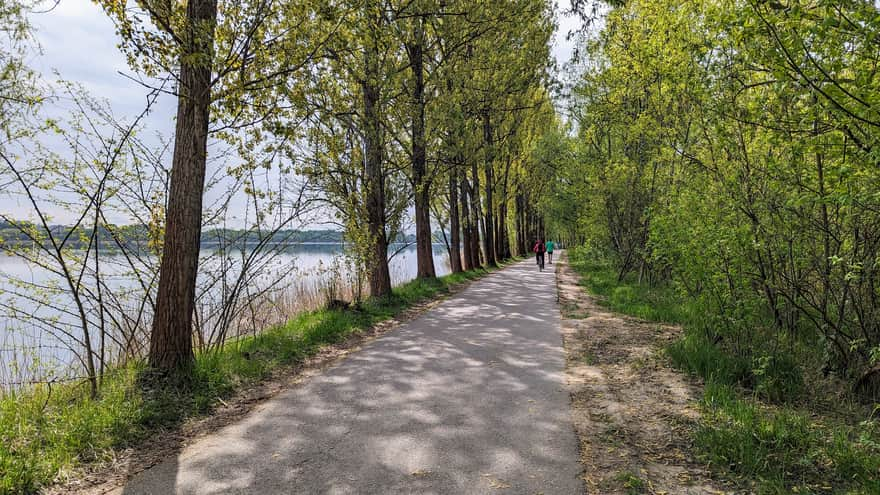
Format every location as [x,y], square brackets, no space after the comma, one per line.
[48,432]
[768,422]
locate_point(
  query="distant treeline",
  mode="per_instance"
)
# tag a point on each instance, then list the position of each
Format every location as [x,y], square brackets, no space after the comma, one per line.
[21,234]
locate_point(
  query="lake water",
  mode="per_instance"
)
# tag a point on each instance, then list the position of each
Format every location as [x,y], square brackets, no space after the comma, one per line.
[30,347]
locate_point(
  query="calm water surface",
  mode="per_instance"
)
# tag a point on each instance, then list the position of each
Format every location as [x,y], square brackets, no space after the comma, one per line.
[305,265]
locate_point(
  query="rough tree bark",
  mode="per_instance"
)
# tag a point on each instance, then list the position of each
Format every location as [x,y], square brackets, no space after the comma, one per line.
[380,276]
[503,237]
[476,217]
[496,226]
[421,182]
[466,228]
[520,227]
[171,337]
[489,237]
[454,227]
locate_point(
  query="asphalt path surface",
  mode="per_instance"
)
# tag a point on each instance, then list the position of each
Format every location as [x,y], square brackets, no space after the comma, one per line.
[467,398]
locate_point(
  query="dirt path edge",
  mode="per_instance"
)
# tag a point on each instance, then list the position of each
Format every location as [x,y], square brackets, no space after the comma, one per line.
[634,415]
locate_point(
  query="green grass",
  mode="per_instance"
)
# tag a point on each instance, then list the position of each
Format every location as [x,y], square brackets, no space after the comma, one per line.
[757,427]
[631,482]
[776,377]
[783,450]
[695,353]
[661,304]
[46,432]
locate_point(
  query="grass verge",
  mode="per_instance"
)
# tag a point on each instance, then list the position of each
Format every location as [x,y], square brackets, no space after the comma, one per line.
[779,449]
[749,431]
[661,304]
[47,432]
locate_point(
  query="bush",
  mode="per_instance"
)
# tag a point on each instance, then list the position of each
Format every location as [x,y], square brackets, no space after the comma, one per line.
[774,377]
[778,377]
[662,303]
[772,449]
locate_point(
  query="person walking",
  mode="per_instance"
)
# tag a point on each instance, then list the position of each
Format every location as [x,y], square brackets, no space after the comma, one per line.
[539,249]
[550,247]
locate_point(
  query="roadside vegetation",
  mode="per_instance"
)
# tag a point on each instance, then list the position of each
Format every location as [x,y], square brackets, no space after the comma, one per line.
[384,120]
[718,168]
[766,422]
[49,432]
[724,177]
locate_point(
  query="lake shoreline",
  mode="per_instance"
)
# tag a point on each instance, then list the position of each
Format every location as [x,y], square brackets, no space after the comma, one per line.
[297,279]
[228,383]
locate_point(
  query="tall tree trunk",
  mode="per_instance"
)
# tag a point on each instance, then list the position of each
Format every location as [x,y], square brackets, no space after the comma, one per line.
[503,236]
[476,216]
[526,236]
[826,227]
[504,243]
[533,226]
[380,276]
[520,225]
[454,232]
[171,337]
[421,183]
[496,227]
[489,238]
[529,233]
[466,230]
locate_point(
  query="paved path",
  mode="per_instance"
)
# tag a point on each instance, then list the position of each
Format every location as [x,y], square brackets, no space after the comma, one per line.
[468,398]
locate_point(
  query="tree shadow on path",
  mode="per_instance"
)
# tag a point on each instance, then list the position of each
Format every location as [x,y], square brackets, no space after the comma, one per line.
[468,398]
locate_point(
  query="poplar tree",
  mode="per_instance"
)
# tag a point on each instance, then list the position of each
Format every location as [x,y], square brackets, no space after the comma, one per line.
[224,58]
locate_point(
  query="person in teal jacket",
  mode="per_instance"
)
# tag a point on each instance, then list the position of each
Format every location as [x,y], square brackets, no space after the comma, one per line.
[550,247]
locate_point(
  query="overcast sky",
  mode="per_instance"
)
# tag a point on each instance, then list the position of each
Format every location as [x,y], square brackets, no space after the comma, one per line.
[79,42]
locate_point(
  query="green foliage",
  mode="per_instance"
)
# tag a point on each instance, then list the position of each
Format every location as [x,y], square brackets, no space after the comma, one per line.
[772,448]
[695,353]
[704,350]
[47,432]
[661,303]
[631,483]
[778,377]
[782,450]
[728,150]
[19,91]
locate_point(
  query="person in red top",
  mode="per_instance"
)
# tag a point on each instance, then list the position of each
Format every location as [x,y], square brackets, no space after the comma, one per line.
[538,249]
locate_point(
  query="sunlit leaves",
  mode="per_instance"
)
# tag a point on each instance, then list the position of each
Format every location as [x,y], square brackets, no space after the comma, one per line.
[732,146]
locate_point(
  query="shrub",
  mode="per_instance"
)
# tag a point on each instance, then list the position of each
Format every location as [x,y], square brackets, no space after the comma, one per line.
[778,377]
